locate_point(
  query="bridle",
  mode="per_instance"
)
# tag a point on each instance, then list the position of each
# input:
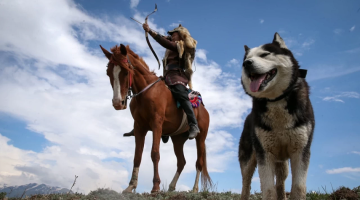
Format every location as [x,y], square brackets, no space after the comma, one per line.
[130,77]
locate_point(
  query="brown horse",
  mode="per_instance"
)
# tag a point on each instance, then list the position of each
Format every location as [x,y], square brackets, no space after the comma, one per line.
[153,109]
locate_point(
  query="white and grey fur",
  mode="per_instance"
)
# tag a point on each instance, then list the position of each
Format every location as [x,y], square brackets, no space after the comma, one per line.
[280,126]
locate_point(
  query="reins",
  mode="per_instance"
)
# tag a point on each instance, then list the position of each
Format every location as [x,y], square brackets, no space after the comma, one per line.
[129,96]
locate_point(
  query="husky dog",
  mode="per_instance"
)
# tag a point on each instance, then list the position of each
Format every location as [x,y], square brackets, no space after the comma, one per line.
[281,124]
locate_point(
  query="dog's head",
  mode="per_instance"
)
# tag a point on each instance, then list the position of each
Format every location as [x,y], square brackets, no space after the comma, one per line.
[268,70]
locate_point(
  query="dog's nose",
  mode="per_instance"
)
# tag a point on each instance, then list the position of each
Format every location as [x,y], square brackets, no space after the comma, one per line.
[247,63]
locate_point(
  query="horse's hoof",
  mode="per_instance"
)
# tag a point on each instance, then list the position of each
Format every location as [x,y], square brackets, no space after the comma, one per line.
[154,191]
[128,190]
[171,189]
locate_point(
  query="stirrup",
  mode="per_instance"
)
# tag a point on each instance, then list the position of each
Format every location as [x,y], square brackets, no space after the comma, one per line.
[131,133]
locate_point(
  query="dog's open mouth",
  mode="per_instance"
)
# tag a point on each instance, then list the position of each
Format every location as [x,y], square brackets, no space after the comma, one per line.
[259,81]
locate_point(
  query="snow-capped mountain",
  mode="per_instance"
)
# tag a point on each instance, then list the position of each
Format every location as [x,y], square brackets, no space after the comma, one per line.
[31,189]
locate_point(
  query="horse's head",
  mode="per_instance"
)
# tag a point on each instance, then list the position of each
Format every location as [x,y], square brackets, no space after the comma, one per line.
[120,74]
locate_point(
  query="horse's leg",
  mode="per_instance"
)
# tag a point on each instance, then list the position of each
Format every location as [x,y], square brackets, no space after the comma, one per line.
[178,143]
[139,147]
[199,162]
[201,165]
[155,154]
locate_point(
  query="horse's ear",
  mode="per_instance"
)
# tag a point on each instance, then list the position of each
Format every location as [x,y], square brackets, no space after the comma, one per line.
[123,50]
[107,54]
[246,48]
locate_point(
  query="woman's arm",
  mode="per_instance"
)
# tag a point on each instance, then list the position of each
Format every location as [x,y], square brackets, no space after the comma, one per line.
[163,41]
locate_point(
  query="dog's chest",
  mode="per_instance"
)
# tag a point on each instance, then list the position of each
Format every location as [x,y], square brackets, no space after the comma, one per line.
[283,138]
[277,116]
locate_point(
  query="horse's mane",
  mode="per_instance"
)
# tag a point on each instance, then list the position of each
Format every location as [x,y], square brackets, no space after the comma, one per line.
[137,57]
[116,51]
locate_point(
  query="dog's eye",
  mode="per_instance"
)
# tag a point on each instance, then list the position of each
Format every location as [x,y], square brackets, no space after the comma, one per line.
[264,55]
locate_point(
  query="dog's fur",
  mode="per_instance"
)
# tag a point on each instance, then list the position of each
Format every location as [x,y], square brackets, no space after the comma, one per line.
[281,124]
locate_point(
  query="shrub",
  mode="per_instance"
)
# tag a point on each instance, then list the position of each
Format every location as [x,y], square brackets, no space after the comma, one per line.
[344,193]
[2,195]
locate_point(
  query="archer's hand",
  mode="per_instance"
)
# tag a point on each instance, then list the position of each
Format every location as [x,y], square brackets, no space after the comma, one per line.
[146,27]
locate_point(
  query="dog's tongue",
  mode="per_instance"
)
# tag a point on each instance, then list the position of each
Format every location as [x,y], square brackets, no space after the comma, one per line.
[255,84]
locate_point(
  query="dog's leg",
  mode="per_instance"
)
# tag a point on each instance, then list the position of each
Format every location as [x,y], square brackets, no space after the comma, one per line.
[299,168]
[281,172]
[247,171]
[247,158]
[267,175]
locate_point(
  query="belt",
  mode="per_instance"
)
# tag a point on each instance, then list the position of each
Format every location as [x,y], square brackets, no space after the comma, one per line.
[172,67]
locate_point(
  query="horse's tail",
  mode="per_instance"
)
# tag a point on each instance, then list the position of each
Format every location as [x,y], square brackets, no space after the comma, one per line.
[206,181]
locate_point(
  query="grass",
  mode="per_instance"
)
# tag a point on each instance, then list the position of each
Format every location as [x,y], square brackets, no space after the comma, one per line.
[108,194]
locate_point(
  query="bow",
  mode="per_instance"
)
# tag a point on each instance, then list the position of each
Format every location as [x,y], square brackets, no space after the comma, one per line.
[147,38]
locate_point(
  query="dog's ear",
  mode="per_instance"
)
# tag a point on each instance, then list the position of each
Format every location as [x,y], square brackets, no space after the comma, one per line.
[279,41]
[246,48]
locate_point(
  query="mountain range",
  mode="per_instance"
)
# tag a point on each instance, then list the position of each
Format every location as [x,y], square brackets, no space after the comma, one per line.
[31,189]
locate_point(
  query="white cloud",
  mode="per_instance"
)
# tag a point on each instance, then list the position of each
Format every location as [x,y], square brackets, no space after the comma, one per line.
[343,170]
[351,95]
[338,31]
[291,42]
[213,83]
[339,97]
[134,3]
[281,31]
[174,25]
[255,179]
[201,54]
[57,85]
[330,71]
[262,21]
[57,166]
[182,187]
[351,51]
[352,28]
[356,152]
[298,45]
[233,63]
[333,99]
[297,53]
[308,43]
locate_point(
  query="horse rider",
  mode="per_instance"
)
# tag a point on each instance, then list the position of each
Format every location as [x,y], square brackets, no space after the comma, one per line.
[179,55]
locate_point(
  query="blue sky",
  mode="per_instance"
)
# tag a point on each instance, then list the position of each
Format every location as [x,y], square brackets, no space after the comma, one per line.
[56,118]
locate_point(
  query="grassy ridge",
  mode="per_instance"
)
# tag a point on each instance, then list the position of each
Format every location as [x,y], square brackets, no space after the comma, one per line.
[107,194]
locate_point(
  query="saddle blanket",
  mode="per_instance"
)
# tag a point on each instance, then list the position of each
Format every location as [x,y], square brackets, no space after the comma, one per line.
[194,98]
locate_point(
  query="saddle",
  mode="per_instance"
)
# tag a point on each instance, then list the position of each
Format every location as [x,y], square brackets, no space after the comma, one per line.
[195,100]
